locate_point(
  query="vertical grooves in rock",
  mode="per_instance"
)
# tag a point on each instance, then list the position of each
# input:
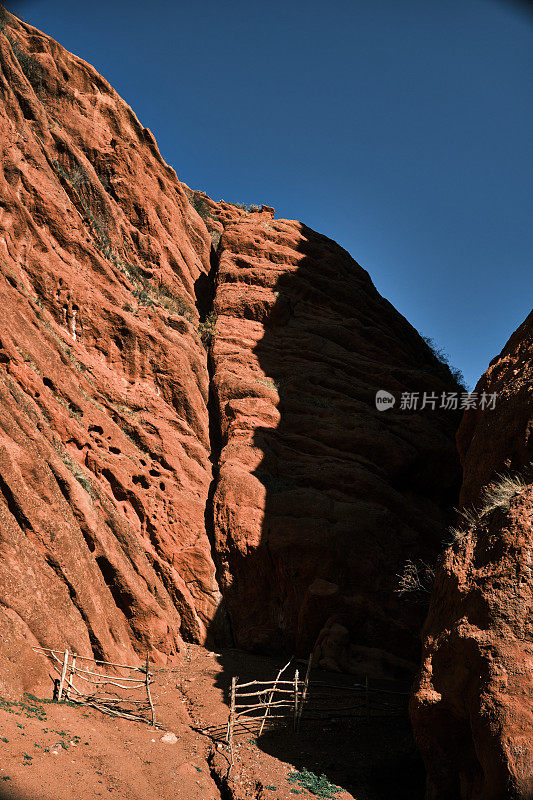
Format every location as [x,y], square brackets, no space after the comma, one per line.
[205,290]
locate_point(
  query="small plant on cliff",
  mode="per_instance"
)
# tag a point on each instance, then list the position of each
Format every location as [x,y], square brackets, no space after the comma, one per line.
[467,518]
[317,785]
[443,359]
[173,303]
[241,206]
[207,328]
[146,294]
[143,298]
[271,383]
[416,580]
[78,473]
[498,493]
[199,201]
[77,177]
[3,19]
[29,65]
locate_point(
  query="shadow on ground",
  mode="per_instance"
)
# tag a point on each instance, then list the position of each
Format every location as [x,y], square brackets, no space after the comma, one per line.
[372,759]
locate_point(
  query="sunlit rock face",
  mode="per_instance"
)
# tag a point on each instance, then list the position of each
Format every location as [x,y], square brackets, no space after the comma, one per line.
[471,709]
[190,447]
[104,428]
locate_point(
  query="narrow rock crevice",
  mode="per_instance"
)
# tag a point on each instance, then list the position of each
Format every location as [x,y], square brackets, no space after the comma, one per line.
[14,507]
[205,292]
[205,286]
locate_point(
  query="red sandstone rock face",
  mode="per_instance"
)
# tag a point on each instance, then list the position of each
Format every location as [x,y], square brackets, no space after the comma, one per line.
[320,498]
[472,708]
[108,510]
[104,433]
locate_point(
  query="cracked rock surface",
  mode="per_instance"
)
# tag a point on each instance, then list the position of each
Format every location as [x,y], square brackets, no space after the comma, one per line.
[189,443]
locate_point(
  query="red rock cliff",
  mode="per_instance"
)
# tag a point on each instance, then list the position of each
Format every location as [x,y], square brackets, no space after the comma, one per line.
[472,709]
[320,498]
[104,435]
[112,411]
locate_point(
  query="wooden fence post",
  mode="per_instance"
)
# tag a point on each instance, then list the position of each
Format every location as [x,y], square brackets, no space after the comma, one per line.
[231,720]
[148,688]
[271,695]
[295,720]
[62,680]
[304,692]
[70,676]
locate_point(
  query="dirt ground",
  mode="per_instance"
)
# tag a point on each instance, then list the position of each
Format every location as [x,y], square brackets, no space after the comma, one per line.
[51,751]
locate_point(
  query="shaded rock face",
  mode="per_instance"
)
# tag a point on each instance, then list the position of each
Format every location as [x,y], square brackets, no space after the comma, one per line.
[104,430]
[472,708]
[321,498]
[129,454]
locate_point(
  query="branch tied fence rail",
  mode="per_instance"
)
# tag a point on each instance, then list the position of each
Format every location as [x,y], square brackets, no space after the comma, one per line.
[258,705]
[94,683]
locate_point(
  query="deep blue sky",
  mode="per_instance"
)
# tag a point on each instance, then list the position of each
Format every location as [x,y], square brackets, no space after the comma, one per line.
[403,130]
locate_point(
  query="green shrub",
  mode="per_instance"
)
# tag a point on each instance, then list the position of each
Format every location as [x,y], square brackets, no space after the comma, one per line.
[207,328]
[143,297]
[240,206]
[317,785]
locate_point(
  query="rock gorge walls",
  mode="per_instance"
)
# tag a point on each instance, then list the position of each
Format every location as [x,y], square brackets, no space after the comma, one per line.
[134,463]
[472,709]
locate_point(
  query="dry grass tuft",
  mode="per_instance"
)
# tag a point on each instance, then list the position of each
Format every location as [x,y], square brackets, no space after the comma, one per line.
[416,580]
[499,493]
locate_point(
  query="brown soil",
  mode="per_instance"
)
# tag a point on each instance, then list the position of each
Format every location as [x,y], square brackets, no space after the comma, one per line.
[101,756]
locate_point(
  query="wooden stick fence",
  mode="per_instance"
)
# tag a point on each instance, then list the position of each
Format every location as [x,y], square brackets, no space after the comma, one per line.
[271,695]
[278,702]
[270,702]
[97,684]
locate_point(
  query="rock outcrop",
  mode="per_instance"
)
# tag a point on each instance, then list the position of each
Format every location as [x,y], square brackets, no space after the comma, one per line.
[320,497]
[104,431]
[472,709]
[500,440]
[130,454]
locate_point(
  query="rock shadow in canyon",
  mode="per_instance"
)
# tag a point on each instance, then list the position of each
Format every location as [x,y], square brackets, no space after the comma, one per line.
[320,498]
